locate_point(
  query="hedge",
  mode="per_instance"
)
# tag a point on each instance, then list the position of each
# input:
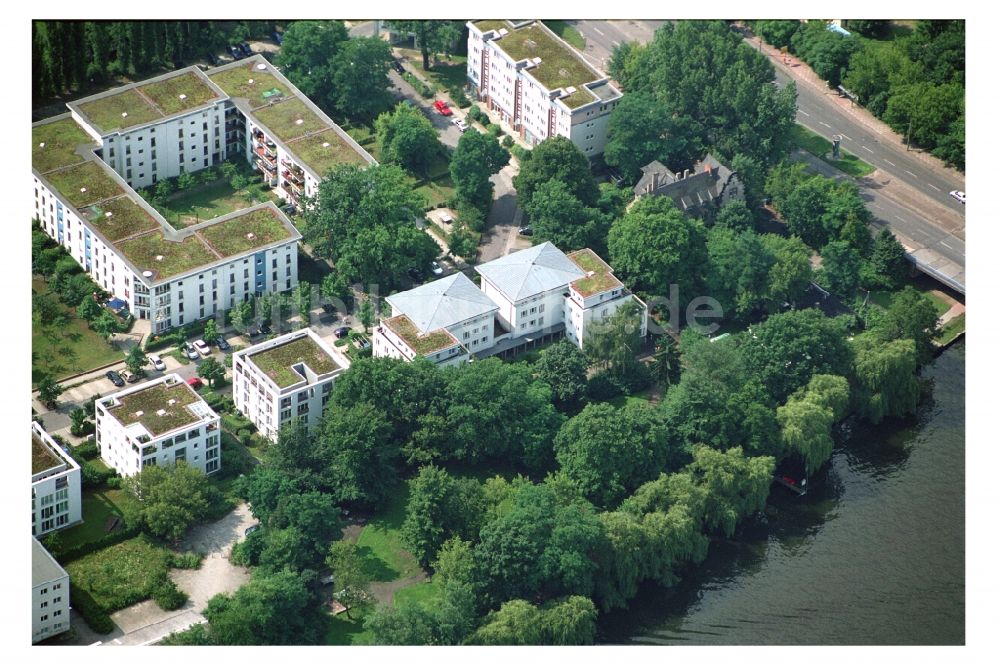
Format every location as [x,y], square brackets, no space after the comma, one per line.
[87,451]
[167,596]
[91,612]
[78,551]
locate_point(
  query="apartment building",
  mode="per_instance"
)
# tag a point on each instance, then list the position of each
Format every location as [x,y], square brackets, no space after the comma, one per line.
[538,84]
[444,321]
[49,594]
[288,377]
[524,298]
[87,163]
[158,423]
[55,485]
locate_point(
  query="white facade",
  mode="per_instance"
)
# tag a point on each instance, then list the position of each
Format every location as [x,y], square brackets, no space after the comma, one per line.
[158,423]
[387,342]
[55,485]
[49,594]
[300,391]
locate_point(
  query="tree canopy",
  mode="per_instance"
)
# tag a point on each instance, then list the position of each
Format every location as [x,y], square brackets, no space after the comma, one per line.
[172,498]
[476,157]
[556,158]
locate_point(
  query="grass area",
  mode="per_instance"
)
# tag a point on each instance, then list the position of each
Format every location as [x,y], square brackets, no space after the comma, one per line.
[178,93]
[622,400]
[813,143]
[277,362]
[884,298]
[98,505]
[121,575]
[126,218]
[449,74]
[323,150]
[144,406]
[343,631]
[426,594]
[84,184]
[290,119]
[247,231]
[381,542]
[567,33]
[236,82]
[165,258]
[65,347]
[106,112]
[951,330]
[436,192]
[53,145]
[211,200]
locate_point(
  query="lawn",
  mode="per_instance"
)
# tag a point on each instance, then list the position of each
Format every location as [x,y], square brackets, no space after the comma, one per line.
[64,348]
[426,594]
[209,201]
[951,330]
[560,67]
[235,81]
[567,33]
[277,362]
[819,146]
[884,298]
[349,632]
[451,74]
[381,542]
[98,505]
[121,575]
[622,400]
[120,218]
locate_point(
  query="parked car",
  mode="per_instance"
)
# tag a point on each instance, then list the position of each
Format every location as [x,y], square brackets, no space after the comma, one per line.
[129,377]
[442,107]
[446,218]
[250,530]
[460,124]
[958,194]
[276,36]
[212,60]
[195,383]
[330,309]
[235,51]
[157,362]
[341,332]
[202,348]
[398,66]
[223,345]
[247,51]
[415,274]
[191,352]
[525,231]
[115,378]
[436,268]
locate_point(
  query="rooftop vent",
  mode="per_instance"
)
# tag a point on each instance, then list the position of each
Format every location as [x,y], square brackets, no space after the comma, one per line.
[571,90]
[83,189]
[502,31]
[41,145]
[159,257]
[536,60]
[147,274]
[249,80]
[124,114]
[139,413]
[590,273]
[261,66]
[161,412]
[108,214]
[298,122]
[326,144]
[183,96]
[563,71]
[250,236]
[170,402]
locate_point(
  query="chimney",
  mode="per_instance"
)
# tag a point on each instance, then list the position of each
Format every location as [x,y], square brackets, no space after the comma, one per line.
[656,181]
[677,176]
[686,172]
[708,168]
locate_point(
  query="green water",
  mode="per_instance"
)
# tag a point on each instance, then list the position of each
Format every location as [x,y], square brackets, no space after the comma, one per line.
[873,555]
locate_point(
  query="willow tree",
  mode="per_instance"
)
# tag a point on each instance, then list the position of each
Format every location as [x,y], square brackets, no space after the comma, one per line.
[886,373]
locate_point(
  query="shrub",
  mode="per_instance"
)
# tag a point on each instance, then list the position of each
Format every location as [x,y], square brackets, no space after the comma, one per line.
[507,142]
[167,596]
[94,476]
[244,437]
[495,130]
[87,451]
[475,113]
[602,387]
[76,552]
[637,377]
[247,552]
[188,560]
[460,98]
[115,482]
[91,612]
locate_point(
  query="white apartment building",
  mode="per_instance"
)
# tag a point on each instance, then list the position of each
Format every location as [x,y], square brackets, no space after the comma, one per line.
[55,485]
[158,423]
[288,377]
[86,164]
[49,594]
[444,321]
[538,84]
[524,298]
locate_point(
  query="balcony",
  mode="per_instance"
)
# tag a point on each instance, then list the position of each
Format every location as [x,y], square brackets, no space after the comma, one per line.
[267,167]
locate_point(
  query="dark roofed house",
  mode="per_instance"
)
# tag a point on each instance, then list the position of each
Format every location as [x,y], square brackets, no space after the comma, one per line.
[700,191]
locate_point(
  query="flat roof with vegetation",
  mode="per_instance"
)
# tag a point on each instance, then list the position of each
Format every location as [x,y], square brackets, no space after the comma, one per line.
[84,184]
[41,457]
[601,279]
[178,93]
[236,82]
[165,258]
[106,112]
[127,218]
[324,150]
[245,231]
[431,342]
[277,362]
[290,119]
[54,144]
[153,398]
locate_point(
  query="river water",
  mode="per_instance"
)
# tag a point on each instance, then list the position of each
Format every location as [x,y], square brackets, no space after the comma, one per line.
[872,555]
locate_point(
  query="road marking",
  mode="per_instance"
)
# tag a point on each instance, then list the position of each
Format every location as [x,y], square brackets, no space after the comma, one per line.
[935,187]
[614,45]
[846,137]
[947,246]
[803,113]
[868,149]
[899,218]
[824,124]
[910,172]
[598,31]
[889,163]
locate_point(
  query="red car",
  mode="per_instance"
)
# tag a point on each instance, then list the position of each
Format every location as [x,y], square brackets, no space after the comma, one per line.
[442,107]
[195,383]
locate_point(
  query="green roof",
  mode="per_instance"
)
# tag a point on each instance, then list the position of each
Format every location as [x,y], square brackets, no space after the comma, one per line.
[41,457]
[154,398]
[560,67]
[106,112]
[277,362]
[321,158]
[422,344]
[579,98]
[177,257]
[60,139]
[127,218]
[601,280]
[84,184]
[166,94]
[231,236]
[235,81]
[486,25]
[283,119]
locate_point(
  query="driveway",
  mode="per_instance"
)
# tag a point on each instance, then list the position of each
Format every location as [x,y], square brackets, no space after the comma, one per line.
[500,237]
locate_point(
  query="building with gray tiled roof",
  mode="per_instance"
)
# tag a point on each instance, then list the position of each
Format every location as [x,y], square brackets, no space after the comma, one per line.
[699,192]
[49,594]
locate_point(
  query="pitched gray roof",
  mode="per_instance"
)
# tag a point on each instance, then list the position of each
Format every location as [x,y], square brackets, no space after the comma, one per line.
[442,303]
[44,568]
[533,271]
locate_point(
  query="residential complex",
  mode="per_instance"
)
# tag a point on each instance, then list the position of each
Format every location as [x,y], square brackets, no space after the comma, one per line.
[700,191]
[288,377]
[538,84]
[157,423]
[49,594]
[87,163]
[55,485]
[524,298]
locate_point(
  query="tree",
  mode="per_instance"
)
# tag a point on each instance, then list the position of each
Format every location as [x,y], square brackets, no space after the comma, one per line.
[572,621]
[406,137]
[349,575]
[360,79]
[886,374]
[476,158]
[841,270]
[366,313]
[557,158]
[924,111]
[559,217]
[242,315]
[48,390]
[787,349]
[735,215]
[267,484]
[307,52]
[888,261]
[807,417]
[826,52]
[355,456]
[431,36]
[911,314]
[185,181]
[564,368]
[79,421]
[211,333]
[105,325]
[614,342]
[641,130]
[440,507]
[738,271]
[666,361]
[463,242]
[791,271]
[655,245]
[172,498]
[609,452]
[733,485]
[776,32]
[136,359]
[212,371]
[88,310]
